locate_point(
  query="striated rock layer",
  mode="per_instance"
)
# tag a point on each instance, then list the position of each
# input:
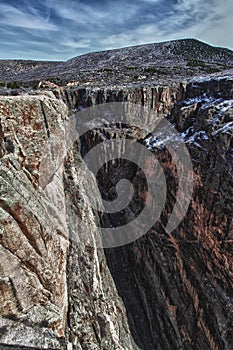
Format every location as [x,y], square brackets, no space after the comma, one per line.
[38,262]
[163,291]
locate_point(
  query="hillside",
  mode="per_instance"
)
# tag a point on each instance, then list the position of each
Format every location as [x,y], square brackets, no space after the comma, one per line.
[179,59]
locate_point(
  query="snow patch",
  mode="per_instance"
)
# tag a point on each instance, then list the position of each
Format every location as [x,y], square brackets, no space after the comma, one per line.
[225,129]
[208,100]
[194,138]
[203,79]
[160,141]
[224,105]
[221,109]
[197,136]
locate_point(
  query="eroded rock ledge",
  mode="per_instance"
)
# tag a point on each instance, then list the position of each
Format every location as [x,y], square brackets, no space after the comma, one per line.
[162,291]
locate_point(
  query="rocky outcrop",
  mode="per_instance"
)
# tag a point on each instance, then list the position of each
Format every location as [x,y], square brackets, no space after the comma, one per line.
[38,258]
[34,239]
[163,291]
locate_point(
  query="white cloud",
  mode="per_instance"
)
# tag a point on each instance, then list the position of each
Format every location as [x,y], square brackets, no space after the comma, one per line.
[74,44]
[188,18]
[141,35]
[84,14]
[78,12]
[216,26]
[70,45]
[12,16]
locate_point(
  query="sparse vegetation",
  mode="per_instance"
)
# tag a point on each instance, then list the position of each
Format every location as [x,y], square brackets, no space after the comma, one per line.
[55,80]
[196,63]
[108,70]
[174,60]
[13,85]
[131,68]
[2,83]
[153,70]
[209,69]
[204,67]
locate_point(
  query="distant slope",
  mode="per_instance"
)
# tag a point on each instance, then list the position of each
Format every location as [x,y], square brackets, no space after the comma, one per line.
[15,69]
[149,54]
[160,61]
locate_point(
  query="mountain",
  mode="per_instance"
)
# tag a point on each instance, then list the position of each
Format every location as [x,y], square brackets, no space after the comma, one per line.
[165,54]
[147,63]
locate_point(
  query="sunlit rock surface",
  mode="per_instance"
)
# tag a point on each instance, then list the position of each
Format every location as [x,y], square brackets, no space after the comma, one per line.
[55,291]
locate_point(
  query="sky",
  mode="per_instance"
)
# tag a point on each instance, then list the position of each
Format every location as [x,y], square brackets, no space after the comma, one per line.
[59,30]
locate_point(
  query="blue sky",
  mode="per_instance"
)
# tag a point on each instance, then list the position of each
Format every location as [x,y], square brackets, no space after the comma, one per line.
[59,30]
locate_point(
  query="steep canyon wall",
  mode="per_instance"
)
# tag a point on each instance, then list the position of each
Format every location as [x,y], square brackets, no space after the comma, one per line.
[163,291]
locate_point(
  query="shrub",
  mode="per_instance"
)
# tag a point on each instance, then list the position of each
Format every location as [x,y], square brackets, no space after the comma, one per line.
[13,85]
[153,70]
[131,68]
[196,63]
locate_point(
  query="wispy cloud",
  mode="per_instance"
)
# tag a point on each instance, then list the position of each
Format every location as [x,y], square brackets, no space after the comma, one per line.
[61,29]
[15,17]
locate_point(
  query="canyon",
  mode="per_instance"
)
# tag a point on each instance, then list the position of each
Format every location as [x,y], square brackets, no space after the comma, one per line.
[166,289]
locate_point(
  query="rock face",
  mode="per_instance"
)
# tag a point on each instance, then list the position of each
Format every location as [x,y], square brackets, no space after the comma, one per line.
[34,240]
[178,286]
[36,257]
[163,291]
